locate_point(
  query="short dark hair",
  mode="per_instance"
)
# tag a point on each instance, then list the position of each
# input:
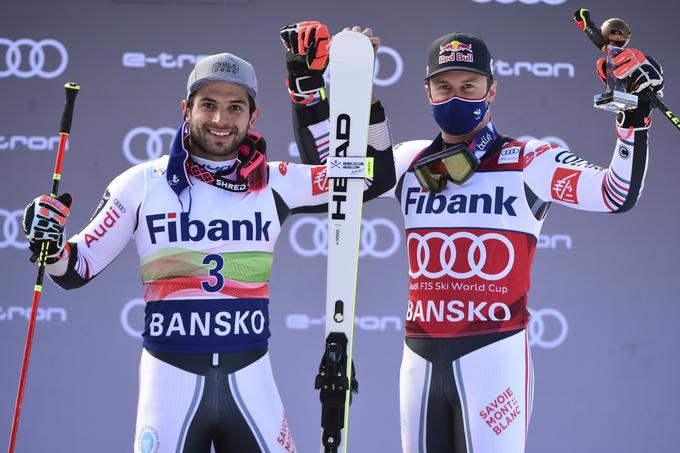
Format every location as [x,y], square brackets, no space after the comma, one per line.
[251,103]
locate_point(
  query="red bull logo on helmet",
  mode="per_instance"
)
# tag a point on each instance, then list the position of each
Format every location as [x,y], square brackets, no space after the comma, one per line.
[457,51]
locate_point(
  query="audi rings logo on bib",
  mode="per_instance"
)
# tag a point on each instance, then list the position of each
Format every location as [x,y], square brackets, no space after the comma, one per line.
[11,231]
[379,237]
[143,144]
[460,255]
[26,58]
[548,328]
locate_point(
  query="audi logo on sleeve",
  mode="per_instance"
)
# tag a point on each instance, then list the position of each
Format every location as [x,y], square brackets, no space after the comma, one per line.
[143,144]
[26,58]
[11,231]
[380,238]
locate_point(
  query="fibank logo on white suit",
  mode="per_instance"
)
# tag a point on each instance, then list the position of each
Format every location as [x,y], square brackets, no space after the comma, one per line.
[382,77]
[526,2]
[380,237]
[476,255]
[11,231]
[143,144]
[26,58]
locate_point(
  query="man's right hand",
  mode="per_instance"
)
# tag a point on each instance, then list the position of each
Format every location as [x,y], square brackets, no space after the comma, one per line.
[44,221]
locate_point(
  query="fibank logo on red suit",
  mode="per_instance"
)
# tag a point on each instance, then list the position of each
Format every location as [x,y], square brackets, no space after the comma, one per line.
[26,58]
[143,144]
[12,234]
[380,237]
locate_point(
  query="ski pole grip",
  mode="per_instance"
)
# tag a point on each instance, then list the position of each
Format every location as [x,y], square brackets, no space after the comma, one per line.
[72,90]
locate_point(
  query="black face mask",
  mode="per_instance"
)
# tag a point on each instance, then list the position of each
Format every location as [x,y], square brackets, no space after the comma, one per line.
[456,164]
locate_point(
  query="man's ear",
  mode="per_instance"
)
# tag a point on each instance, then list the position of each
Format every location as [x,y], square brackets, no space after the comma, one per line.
[427,90]
[253,118]
[491,95]
[183,106]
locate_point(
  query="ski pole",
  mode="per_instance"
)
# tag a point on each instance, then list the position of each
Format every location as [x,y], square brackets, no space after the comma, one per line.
[586,24]
[64,131]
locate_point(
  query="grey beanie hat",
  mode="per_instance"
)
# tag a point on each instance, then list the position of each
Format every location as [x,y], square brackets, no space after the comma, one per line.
[223,67]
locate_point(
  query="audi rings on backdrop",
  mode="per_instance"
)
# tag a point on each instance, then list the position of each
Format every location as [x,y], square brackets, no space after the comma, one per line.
[151,149]
[537,328]
[369,237]
[12,234]
[448,247]
[34,60]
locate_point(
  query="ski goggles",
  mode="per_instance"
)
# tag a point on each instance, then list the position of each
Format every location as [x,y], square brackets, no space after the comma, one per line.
[456,164]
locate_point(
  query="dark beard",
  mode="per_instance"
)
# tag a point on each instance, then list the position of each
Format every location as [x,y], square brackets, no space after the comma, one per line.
[199,143]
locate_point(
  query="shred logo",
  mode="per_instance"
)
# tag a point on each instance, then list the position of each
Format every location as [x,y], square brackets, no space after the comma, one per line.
[483,203]
[342,130]
[457,51]
[319,180]
[106,224]
[565,184]
[195,230]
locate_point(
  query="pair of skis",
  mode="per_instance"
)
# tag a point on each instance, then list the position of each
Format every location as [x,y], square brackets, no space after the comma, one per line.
[351,81]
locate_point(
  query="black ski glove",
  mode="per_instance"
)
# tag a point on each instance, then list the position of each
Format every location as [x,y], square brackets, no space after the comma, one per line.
[306,43]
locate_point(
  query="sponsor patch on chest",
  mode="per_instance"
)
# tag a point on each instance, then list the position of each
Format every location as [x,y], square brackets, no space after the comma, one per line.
[509,155]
